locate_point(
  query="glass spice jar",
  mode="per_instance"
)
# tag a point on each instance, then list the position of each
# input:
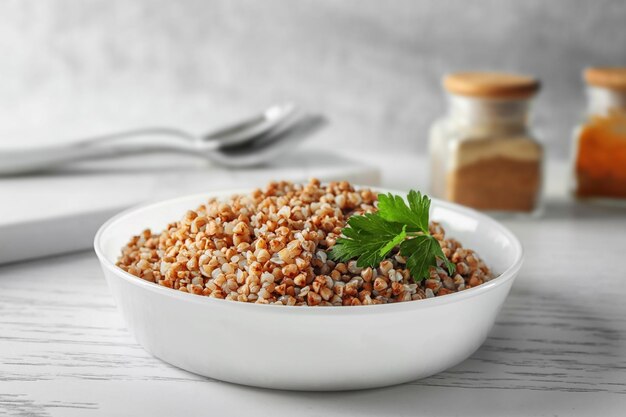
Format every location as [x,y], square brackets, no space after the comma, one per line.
[599,148]
[482,153]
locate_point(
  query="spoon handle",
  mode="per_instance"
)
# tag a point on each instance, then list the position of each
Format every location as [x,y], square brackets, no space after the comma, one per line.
[158,139]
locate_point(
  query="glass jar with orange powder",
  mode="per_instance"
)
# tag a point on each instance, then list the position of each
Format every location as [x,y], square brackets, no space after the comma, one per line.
[599,150]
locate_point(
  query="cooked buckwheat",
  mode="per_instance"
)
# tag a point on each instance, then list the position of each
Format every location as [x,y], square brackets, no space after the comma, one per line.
[270,247]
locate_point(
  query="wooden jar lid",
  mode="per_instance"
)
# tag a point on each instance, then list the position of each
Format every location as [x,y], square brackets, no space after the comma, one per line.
[493,85]
[613,78]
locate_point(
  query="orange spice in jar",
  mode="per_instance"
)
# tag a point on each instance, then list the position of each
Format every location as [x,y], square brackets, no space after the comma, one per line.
[600,142]
[483,154]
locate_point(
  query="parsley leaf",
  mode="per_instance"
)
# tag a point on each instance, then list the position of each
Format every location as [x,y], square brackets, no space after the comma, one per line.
[421,253]
[393,208]
[369,238]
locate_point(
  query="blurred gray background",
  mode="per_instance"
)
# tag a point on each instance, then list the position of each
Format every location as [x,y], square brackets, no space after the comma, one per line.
[70,68]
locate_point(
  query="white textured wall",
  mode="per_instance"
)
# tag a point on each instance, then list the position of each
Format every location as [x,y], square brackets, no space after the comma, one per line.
[73,67]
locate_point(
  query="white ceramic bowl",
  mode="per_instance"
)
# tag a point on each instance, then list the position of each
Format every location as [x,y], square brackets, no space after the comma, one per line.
[310,348]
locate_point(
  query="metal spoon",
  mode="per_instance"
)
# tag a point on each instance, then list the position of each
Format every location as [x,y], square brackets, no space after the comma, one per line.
[253,141]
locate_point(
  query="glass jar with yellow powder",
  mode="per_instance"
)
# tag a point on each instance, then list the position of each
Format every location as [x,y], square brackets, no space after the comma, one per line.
[483,153]
[599,151]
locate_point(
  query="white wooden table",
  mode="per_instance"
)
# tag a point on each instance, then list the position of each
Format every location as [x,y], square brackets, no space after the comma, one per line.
[558,347]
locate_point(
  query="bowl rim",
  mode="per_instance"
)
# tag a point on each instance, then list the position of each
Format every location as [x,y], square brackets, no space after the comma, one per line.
[507,275]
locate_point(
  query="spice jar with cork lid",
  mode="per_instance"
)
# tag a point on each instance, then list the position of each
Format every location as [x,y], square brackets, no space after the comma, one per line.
[599,148]
[483,154]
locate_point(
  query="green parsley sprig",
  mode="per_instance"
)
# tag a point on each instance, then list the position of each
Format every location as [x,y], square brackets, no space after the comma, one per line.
[370,237]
